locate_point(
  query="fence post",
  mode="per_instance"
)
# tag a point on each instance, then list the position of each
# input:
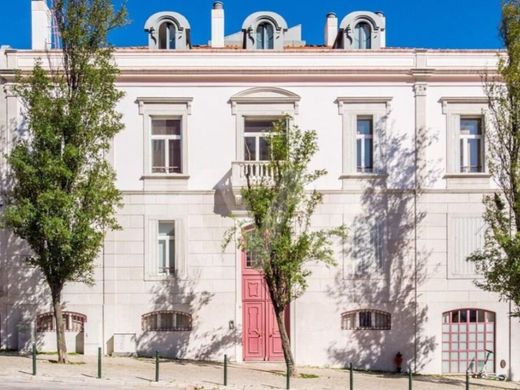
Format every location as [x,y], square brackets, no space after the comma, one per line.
[288,378]
[467,379]
[34,359]
[351,369]
[99,362]
[225,370]
[410,378]
[157,366]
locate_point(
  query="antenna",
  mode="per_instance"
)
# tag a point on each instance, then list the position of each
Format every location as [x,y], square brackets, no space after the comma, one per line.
[55,33]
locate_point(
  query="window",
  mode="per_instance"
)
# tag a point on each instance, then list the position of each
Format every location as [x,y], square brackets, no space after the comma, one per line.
[168,31]
[468,340]
[265,36]
[74,322]
[471,145]
[166,321]
[367,246]
[166,247]
[362,36]
[167,36]
[465,236]
[364,122]
[256,145]
[366,320]
[166,146]
[365,144]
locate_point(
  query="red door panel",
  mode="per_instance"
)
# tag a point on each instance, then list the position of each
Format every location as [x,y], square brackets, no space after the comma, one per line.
[261,336]
[253,288]
[274,341]
[254,328]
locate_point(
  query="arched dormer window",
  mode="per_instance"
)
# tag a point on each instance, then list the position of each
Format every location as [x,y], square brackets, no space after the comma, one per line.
[362,30]
[366,319]
[265,36]
[363,36]
[166,321]
[265,30]
[167,33]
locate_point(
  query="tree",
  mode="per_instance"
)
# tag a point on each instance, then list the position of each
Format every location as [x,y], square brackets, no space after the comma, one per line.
[281,206]
[499,260]
[63,198]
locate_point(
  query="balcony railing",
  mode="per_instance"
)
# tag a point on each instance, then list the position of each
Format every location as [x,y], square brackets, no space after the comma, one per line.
[258,171]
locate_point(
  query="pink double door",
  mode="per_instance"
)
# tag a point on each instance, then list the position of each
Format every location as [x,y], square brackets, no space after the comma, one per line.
[261,338]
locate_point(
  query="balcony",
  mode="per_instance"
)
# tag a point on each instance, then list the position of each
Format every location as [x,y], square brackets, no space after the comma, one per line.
[258,171]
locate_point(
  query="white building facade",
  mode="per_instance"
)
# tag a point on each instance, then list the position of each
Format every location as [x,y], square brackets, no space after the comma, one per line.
[401,134]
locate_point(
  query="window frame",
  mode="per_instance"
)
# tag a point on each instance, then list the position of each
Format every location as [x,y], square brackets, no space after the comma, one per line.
[167,239]
[465,149]
[151,257]
[174,327]
[350,108]
[451,327]
[351,320]
[363,139]
[265,34]
[178,108]
[166,138]
[455,108]
[258,135]
[357,32]
[70,319]
[453,269]
[170,25]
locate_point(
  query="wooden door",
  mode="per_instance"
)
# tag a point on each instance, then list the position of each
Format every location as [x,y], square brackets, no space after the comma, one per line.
[261,337]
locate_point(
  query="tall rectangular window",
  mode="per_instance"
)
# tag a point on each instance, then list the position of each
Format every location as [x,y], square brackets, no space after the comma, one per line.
[256,145]
[471,145]
[166,146]
[166,247]
[365,144]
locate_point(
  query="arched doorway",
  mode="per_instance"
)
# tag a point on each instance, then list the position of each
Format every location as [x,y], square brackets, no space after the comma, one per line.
[468,337]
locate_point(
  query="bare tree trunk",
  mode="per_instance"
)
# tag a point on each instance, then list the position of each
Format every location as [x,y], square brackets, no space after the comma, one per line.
[286,343]
[60,327]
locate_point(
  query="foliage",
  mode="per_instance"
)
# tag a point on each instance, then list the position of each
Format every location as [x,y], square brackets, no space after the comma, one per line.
[499,260]
[62,198]
[281,207]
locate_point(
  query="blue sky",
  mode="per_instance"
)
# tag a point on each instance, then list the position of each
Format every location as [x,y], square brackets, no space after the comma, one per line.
[471,24]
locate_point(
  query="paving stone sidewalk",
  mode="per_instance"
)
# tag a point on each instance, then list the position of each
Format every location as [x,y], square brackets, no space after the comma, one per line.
[139,373]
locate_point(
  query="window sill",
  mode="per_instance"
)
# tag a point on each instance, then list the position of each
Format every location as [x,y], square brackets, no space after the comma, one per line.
[366,176]
[166,176]
[474,175]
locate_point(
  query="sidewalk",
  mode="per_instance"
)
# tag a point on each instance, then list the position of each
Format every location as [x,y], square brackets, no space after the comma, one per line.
[138,373]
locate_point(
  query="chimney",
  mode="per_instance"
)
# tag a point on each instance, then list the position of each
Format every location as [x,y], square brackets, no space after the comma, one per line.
[331,29]
[382,38]
[41,25]
[217,24]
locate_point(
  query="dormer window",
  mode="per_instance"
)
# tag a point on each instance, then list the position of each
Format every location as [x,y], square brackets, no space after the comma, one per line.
[265,30]
[361,30]
[265,36]
[363,36]
[167,36]
[168,31]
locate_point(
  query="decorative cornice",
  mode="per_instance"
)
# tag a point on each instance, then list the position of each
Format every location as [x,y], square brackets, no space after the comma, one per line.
[142,101]
[342,101]
[265,96]
[446,101]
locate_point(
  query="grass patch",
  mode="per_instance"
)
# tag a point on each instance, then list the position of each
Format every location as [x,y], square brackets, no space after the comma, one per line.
[299,375]
[308,376]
